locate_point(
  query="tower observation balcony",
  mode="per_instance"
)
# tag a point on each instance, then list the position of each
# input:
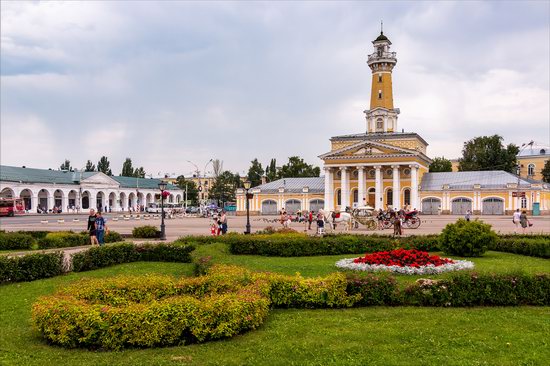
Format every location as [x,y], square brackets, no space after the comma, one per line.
[376,57]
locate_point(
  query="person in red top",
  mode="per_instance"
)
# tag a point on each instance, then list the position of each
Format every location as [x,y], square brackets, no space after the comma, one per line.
[310,219]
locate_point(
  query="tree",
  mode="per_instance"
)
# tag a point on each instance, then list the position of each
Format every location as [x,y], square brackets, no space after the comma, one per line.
[192,190]
[255,173]
[127,168]
[488,153]
[224,187]
[441,165]
[546,172]
[271,170]
[217,167]
[90,167]
[103,165]
[66,165]
[139,172]
[296,167]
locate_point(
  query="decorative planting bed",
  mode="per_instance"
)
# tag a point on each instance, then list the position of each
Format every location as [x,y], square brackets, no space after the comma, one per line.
[409,262]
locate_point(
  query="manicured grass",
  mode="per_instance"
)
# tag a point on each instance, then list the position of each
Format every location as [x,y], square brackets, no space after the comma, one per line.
[323,265]
[362,336]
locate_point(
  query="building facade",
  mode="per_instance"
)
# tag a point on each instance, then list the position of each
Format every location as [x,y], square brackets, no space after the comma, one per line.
[45,189]
[387,168]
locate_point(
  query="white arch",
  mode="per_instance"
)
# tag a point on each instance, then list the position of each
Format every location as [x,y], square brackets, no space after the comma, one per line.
[132,200]
[465,197]
[59,200]
[178,198]
[123,201]
[44,199]
[148,199]
[86,200]
[27,196]
[7,193]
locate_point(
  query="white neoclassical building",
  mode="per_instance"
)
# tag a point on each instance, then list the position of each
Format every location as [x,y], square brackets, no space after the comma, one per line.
[46,189]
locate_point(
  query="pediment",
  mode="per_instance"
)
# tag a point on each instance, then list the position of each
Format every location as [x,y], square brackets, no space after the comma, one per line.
[368,148]
[100,179]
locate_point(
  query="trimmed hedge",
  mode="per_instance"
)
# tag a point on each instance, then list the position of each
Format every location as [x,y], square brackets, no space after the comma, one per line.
[109,255]
[536,246]
[11,240]
[146,232]
[149,311]
[30,267]
[467,238]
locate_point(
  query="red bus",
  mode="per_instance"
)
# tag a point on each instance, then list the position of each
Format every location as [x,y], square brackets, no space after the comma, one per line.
[11,206]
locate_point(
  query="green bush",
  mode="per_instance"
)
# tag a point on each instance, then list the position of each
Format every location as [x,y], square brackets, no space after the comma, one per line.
[11,240]
[30,267]
[467,238]
[63,239]
[533,246]
[146,232]
[108,255]
[113,237]
[374,289]
[35,234]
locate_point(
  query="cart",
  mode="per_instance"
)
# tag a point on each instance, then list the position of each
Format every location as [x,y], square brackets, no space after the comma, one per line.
[363,215]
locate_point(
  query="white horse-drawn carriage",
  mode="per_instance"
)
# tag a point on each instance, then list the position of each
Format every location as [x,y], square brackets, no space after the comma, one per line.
[360,215]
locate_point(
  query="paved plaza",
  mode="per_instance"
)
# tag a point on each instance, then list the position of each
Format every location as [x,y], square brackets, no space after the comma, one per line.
[183,226]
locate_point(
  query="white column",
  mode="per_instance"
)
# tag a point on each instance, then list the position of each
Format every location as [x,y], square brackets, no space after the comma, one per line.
[34,202]
[378,188]
[344,189]
[51,201]
[414,187]
[361,188]
[328,189]
[396,189]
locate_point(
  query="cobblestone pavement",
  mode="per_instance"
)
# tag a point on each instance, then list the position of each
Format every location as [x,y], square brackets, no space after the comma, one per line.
[183,226]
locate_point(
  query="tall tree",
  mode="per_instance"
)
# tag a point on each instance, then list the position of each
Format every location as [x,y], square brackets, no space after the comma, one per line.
[90,167]
[297,167]
[488,153]
[103,165]
[217,167]
[66,165]
[139,172]
[127,168]
[255,173]
[441,165]
[546,172]
[191,187]
[224,187]
[271,170]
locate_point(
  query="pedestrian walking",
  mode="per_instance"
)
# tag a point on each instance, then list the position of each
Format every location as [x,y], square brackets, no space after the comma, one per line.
[310,219]
[524,221]
[91,227]
[397,229]
[223,220]
[516,220]
[100,228]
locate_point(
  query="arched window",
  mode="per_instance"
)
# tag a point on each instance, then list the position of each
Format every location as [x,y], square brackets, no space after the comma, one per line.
[531,169]
[542,151]
[379,125]
[389,197]
[338,197]
[355,196]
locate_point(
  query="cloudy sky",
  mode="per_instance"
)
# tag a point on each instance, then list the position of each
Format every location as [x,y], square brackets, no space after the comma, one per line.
[168,82]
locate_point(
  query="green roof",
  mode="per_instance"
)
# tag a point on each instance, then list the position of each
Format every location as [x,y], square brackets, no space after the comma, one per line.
[31,175]
[381,37]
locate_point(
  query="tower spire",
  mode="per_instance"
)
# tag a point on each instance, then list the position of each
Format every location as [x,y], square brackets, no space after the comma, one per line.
[381,27]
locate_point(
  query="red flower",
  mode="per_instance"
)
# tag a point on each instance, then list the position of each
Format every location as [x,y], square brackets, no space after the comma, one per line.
[403,258]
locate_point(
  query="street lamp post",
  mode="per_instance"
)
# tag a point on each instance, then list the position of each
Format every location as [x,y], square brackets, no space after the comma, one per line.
[162,187]
[247,187]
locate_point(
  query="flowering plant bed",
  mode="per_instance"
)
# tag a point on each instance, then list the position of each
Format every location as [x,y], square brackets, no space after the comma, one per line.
[410,262]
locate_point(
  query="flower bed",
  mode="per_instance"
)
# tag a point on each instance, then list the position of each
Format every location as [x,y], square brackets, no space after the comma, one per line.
[410,262]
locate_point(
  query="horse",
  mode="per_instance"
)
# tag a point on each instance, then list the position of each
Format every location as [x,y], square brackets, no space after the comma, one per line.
[331,218]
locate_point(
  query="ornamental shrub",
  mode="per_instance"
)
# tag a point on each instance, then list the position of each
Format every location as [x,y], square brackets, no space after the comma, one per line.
[536,246]
[30,267]
[10,240]
[63,239]
[165,252]
[146,232]
[373,289]
[467,238]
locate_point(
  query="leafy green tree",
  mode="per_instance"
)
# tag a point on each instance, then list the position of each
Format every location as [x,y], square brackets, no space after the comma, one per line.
[103,165]
[139,172]
[127,168]
[271,170]
[296,168]
[441,165]
[66,165]
[255,173]
[90,167]
[192,189]
[224,187]
[488,153]
[546,172]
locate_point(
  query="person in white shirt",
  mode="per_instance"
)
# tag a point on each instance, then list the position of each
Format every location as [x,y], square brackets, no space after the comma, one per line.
[516,220]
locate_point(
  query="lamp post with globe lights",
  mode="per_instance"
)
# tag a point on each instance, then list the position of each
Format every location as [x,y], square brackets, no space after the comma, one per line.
[247,185]
[162,187]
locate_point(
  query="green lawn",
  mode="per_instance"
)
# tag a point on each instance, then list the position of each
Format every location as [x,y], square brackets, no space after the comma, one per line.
[362,336]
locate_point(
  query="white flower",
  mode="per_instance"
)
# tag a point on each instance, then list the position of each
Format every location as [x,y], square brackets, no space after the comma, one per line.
[428,269]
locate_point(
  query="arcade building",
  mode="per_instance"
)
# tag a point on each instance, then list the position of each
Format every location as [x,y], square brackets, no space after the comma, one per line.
[388,167]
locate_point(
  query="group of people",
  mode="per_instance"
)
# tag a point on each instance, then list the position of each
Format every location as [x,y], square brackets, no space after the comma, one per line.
[219,224]
[97,228]
[520,219]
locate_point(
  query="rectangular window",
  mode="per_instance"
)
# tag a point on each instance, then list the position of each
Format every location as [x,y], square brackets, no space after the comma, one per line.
[379,78]
[380,94]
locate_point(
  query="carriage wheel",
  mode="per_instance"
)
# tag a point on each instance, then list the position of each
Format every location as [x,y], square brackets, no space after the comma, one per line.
[371,225]
[414,223]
